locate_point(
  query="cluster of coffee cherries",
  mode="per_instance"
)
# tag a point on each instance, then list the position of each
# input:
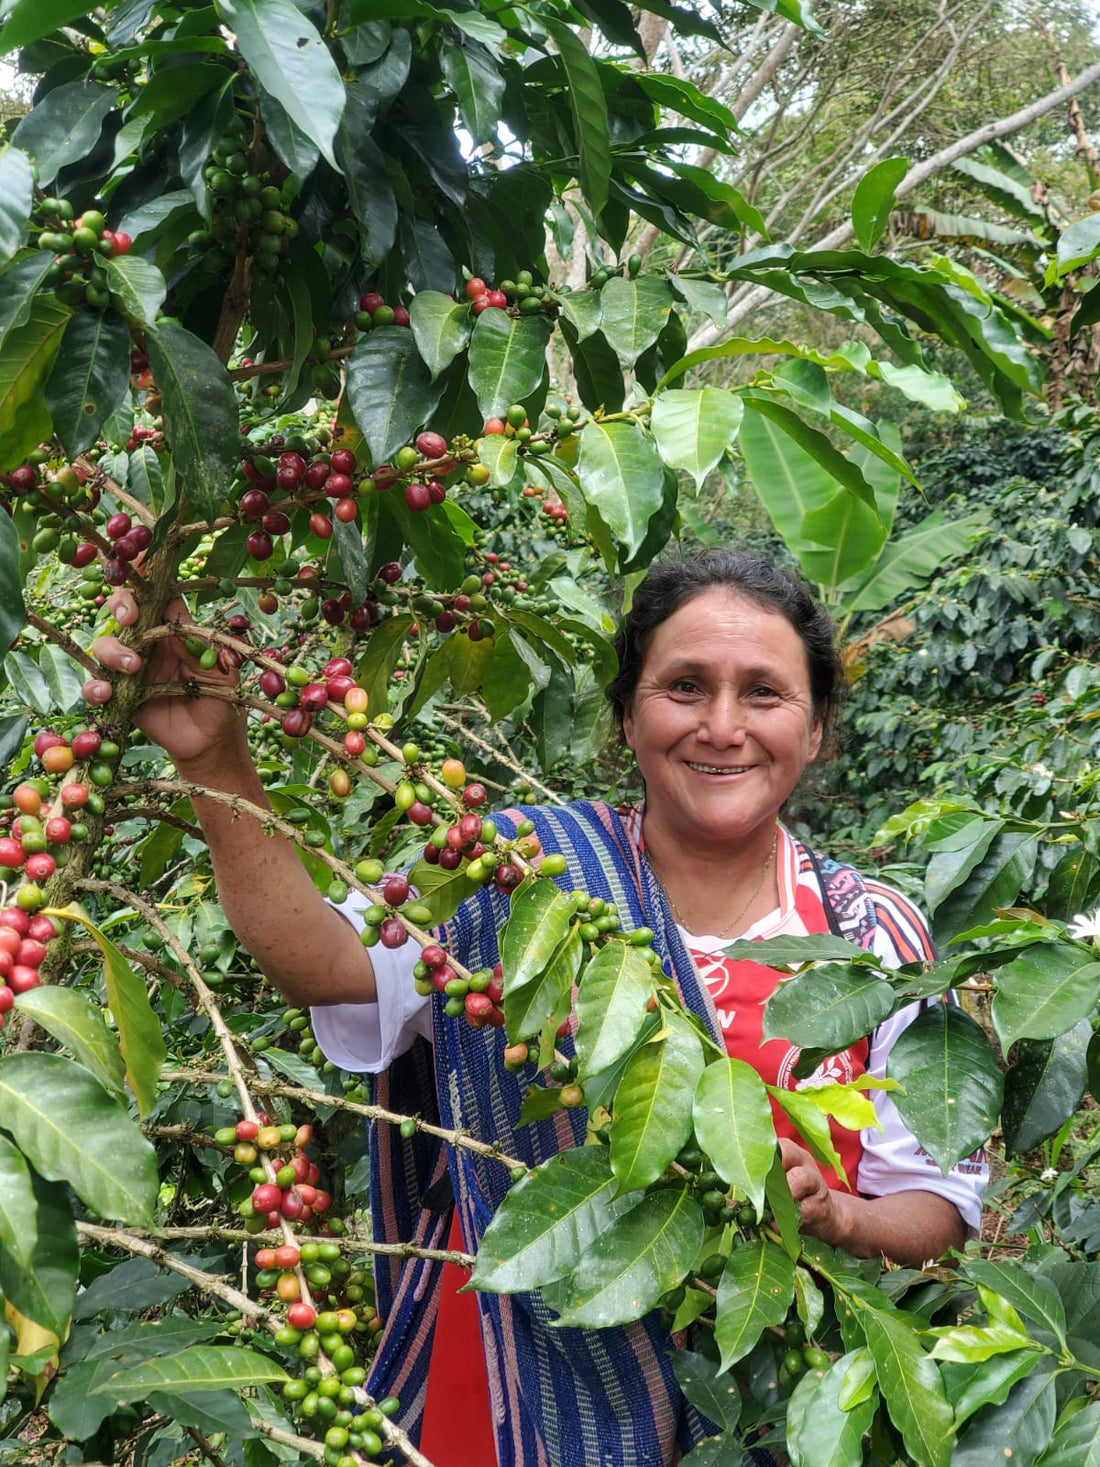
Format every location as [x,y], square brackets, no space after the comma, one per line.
[373,311]
[478,999]
[243,198]
[284,1188]
[23,942]
[302,697]
[41,823]
[521,295]
[79,247]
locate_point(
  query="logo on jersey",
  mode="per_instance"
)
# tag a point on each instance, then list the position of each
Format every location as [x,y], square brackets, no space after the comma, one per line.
[836,1069]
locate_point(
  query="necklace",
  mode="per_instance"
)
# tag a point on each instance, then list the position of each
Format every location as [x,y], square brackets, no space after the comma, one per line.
[732,924]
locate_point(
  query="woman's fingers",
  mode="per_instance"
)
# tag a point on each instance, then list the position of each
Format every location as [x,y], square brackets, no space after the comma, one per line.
[123,607]
[115,654]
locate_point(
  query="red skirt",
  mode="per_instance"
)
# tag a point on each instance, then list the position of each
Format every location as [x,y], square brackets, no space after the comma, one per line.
[458,1424]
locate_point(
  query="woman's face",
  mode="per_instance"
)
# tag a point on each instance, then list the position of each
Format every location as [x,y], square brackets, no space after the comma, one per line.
[722,721]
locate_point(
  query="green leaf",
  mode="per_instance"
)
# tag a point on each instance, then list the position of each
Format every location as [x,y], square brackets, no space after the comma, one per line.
[26,358]
[1030,1294]
[348,541]
[754,1292]
[198,1368]
[652,1122]
[820,1432]
[733,1122]
[1044,991]
[548,1221]
[18,1208]
[611,1006]
[920,384]
[970,1344]
[537,924]
[475,79]
[60,676]
[1044,1086]
[528,1006]
[390,390]
[828,1007]
[16,195]
[370,192]
[589,108]
[583,309]
[812,1124]
[72,1131]
[634,313]
[640,1256]
[1077,245]
[874,198]
[500,456]
[12,611]
[1076,1441]
[909,559]
[792,952]
[292,61]
[1017,1431]
[507,359]
[786,1213]
[951,1083]
[970,1387]
[30,20]
[442,891]
[147,478]
[64,126]
[622,477]
[90,378]
[43,1286]
[139,1032]
[709,1389]
[27,682]
[78,1024]
[911,1387]
[794,470]
[440,326]
[200,414]
[702,296]
[693,430]
[995,881]
[600,380]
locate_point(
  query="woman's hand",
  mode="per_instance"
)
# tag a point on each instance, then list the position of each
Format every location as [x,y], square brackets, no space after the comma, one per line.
[190,729]
[819,1203]
[910,1227]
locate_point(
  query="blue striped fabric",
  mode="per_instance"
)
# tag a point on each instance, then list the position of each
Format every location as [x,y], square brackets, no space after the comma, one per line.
[560,1397]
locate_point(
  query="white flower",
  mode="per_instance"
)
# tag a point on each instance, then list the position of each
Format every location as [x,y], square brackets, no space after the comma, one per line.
[1049,1174]
[1084,926]
[1042,771]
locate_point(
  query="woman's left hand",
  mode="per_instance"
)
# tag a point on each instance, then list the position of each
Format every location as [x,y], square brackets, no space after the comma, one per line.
[821,1214]
[909,1227]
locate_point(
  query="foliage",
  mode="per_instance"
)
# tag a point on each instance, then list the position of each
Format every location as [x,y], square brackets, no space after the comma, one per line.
[234,366]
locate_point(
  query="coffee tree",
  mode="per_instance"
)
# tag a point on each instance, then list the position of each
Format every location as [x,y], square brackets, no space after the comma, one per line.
[275,334]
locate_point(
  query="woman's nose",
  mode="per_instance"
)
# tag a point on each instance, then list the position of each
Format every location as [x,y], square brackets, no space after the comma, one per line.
[724,724]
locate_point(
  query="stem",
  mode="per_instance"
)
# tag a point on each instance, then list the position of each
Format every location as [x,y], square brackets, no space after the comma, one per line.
[461,1139]
[66,643]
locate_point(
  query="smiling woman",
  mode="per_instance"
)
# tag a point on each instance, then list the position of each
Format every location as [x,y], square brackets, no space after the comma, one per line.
[728,681]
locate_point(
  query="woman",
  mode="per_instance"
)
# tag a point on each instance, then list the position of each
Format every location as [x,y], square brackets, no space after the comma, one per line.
[727,681]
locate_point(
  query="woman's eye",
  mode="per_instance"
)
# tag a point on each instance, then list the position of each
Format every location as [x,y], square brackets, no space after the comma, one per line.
[684,685]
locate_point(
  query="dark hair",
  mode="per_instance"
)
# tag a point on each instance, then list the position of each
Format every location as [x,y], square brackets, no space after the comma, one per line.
[670,584]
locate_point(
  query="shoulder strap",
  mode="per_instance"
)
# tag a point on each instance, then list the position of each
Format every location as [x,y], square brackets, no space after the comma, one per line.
[848,908]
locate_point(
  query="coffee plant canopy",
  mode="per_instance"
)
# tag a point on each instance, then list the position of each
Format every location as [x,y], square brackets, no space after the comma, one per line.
[280,335]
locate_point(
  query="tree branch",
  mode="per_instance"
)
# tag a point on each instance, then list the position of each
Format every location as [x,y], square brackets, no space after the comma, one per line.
[757,298]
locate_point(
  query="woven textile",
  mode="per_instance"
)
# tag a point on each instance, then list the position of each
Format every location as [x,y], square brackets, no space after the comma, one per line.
[560,1397]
